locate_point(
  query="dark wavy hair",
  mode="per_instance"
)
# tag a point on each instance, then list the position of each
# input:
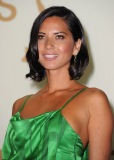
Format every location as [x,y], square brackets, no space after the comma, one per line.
[77,67]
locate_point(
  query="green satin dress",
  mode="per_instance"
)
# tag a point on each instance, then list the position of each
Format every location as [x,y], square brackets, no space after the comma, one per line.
[45,137]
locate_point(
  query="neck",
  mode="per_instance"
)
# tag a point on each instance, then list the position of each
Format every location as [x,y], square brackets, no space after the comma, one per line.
[58,80]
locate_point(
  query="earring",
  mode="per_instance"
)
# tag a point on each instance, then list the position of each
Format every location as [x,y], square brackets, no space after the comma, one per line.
[75,57]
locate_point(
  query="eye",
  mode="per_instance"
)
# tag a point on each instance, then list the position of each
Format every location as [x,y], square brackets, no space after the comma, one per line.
[40,37]
[60,37]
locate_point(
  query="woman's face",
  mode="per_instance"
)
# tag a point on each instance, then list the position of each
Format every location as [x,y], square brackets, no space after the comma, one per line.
[55,44]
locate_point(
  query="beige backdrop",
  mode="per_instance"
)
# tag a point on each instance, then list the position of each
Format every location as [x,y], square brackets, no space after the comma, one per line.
[16,18]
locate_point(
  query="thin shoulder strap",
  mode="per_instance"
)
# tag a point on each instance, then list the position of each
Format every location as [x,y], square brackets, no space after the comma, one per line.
[73,97]
[22,106]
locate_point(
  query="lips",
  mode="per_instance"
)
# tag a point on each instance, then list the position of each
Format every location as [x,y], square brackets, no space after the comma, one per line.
[50,56]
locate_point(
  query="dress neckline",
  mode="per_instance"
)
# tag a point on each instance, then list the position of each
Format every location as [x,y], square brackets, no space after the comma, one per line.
[47,113]
[70,99]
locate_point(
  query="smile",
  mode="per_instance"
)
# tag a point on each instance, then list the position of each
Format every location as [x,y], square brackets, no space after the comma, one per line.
[50,56]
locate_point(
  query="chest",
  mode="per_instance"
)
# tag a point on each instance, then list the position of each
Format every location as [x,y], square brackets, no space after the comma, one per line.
[72,110]
[37,105]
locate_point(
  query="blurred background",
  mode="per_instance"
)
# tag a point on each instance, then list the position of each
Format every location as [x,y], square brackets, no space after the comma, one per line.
[16,19]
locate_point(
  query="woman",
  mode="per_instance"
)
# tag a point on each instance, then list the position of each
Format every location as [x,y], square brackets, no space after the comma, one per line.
[65,120]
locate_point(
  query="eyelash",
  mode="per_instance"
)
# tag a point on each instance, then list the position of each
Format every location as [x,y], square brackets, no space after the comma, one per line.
[60,37]
[42,37]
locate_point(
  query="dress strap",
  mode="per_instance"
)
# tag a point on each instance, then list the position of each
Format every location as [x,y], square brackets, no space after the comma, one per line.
[22,106]
[73,97]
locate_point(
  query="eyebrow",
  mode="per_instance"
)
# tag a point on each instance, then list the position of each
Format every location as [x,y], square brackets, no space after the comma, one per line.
[41,32]
[54,33]
[60,33]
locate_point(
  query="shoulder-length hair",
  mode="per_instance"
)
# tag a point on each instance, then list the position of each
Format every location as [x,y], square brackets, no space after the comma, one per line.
[77,67]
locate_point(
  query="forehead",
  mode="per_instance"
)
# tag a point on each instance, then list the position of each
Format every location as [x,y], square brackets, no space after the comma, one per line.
[54,23]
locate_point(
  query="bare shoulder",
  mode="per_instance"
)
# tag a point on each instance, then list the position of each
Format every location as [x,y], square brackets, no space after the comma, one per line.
[17,104]
[96,92]
[97,98]
[99,105]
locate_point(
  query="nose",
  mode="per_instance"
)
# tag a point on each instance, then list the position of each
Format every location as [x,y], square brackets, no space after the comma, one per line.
[49,44]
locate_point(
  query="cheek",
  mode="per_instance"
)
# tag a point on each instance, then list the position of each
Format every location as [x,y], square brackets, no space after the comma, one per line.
[67,48]
[40,49]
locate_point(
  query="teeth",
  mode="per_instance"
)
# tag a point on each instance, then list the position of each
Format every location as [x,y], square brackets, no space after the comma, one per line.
[50,55]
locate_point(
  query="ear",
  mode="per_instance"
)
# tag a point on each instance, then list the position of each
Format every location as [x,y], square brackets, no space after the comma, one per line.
[77,46]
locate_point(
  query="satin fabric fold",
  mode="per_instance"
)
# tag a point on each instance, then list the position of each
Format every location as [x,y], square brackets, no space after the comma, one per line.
[45,137]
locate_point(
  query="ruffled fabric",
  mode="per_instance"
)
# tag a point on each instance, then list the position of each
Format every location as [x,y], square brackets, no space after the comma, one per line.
[45,137]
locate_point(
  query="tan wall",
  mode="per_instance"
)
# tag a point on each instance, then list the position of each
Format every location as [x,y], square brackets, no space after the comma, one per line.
[0,155]
[16,18]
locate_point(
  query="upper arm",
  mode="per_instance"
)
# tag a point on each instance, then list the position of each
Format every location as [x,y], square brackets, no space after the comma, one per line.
[100,127]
